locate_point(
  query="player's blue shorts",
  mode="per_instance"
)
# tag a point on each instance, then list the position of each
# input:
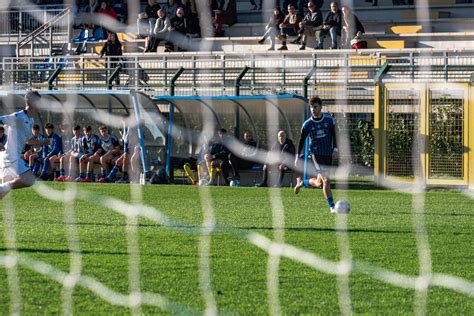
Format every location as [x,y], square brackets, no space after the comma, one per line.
[78,155]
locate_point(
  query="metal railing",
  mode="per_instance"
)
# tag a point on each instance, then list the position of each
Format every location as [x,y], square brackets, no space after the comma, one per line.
[17,23]
[44,36]
[216,74]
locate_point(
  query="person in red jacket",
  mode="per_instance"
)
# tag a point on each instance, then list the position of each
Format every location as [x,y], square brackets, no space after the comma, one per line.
[106,9]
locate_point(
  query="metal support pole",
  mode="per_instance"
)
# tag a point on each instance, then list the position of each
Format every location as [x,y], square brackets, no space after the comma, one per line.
[170,138]
[50,40]
[239,79]
[53,76]
[114,75]
[306,79]
[174,79]
[379,122]
[169,143]
[237,93]
[141,138]
[381,73]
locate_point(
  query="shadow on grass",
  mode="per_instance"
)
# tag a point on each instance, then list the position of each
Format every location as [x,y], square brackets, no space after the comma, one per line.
[357,185]
[324,229]
[90,252]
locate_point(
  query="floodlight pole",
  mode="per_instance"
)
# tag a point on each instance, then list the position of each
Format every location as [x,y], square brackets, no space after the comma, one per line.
[170,120]
[237,93]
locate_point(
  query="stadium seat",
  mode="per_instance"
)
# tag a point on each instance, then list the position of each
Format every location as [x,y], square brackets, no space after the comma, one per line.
[433,15]
[99,34]
[83,36]
[391,44]
[403,29]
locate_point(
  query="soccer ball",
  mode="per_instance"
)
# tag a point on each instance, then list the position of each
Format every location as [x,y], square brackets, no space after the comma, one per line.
[234,183]
[203,182]
[342,207]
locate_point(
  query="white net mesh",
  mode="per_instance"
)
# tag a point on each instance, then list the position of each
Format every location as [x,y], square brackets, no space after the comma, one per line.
[275,245]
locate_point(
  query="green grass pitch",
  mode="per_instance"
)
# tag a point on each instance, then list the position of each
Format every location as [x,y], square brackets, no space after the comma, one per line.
[380,230]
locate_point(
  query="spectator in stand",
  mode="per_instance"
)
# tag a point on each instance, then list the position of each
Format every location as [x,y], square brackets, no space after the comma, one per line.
[106,9]
[332,26]
[160,32]
[121,9]
[3,138]
[170,8]
[194,29]
[352,29]
[34,152]
[178,28]
[218,159]
[147,19]
[112,47]
[94,6]
[302,4]
[226,13]
[272,27]
[186,5]
[80,6]
[285,149]
[286,4]
[289,26]
[255,6]
[246,157]
[209,26]
[312,20]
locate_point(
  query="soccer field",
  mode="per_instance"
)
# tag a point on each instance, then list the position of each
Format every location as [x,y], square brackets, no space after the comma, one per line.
[381,234]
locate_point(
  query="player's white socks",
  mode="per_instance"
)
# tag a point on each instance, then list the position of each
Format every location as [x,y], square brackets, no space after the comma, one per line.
[5,187]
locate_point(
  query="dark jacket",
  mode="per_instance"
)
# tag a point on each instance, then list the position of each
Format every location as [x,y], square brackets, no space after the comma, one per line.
[334,20]
[250,149]
[219,151]
[287,147]
[152,10]
[180,25]
[314,19]
[111,49]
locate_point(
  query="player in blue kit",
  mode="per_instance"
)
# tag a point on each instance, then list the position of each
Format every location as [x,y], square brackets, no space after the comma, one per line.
[110,152]
[72,156]
[321,130]
[14,172]
[91,147]
[128,161]
[51,152]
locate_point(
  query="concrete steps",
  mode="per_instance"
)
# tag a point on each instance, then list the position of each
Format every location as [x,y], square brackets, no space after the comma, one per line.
[380,13]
